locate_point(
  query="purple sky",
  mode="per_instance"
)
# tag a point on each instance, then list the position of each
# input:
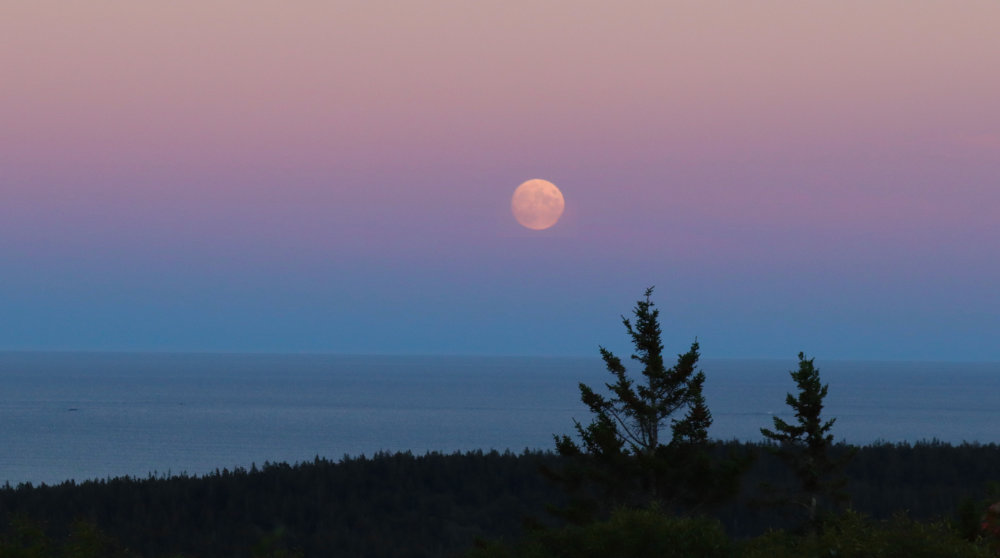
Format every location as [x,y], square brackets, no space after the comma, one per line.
[337,176]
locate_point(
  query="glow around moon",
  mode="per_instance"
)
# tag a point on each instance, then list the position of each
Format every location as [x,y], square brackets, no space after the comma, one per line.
[537,204]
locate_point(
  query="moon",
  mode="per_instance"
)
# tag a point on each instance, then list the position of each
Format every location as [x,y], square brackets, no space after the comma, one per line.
[537,204]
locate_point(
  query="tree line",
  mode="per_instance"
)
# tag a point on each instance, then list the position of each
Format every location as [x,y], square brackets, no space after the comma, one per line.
[439,504]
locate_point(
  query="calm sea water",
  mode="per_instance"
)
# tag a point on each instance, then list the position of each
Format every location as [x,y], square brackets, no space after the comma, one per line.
[91,415]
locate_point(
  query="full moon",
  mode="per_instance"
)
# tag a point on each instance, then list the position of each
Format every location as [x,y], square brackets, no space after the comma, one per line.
[537,204]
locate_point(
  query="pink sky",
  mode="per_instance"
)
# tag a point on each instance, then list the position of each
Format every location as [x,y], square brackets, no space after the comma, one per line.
[835,161]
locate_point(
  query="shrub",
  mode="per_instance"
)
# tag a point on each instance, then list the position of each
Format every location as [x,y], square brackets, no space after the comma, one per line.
[854,536]
[627,534]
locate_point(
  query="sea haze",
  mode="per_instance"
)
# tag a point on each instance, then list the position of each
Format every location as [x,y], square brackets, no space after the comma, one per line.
[97,415]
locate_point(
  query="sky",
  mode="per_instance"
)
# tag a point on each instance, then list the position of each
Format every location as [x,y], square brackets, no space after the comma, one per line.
[336,176]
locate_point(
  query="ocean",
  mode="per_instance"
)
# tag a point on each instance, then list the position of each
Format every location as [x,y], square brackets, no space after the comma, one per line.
[99,415]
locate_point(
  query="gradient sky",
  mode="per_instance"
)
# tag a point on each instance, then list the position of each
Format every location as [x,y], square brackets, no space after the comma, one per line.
[336,176]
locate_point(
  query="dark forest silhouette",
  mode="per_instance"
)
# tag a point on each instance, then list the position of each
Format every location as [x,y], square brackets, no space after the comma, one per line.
[438,505]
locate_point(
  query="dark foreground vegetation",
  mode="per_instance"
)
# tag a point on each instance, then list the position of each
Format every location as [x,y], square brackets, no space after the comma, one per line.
[642,479]
[439,505]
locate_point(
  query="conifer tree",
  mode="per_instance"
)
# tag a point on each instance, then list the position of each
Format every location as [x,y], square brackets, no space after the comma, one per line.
[806,446]
[623,449]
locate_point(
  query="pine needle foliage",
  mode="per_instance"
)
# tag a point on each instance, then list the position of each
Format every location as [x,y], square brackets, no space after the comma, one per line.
[636,411]
[805,445]
[624,453]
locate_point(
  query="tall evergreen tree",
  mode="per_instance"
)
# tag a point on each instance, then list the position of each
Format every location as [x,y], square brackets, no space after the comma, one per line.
[806,445]
[623,454]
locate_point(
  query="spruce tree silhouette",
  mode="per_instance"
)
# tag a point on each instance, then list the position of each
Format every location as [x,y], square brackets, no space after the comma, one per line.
[806,445]
[623,457]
